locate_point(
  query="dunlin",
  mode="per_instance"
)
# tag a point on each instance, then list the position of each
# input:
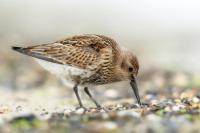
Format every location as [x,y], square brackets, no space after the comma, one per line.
[87,60]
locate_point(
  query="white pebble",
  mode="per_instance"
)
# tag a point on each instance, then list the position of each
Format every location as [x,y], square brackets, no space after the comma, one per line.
[105,116]
[67,112]
[153,117]
[110,125]
[129,113]
[195,100]
[176,108]
[80,111]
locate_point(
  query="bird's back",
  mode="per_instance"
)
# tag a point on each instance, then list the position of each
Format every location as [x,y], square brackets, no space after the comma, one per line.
[76,57]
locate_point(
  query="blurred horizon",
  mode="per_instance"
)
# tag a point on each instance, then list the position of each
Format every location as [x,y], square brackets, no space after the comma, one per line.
[164,34]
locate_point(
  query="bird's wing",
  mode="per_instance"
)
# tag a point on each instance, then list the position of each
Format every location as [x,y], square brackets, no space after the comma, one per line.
[84,51]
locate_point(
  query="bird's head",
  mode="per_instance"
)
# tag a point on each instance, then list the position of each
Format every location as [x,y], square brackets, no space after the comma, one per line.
[129,68]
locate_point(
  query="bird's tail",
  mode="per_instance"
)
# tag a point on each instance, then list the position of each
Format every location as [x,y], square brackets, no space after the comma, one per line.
[27,51]
[20,49]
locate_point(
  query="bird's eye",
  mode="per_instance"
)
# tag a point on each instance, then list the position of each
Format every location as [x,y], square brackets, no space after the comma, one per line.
[130,69]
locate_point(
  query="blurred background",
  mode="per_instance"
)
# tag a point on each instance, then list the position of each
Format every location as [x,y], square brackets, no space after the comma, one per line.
[165,35]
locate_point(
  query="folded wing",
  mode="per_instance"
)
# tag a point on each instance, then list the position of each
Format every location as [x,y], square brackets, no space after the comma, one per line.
[83,51]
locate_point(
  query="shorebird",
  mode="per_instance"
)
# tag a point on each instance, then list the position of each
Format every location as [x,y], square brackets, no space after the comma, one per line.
[87,60]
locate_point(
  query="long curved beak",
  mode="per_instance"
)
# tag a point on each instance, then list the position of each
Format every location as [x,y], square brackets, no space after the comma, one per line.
[135,90]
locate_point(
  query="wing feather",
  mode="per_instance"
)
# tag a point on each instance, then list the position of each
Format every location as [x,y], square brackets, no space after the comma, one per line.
[84,51]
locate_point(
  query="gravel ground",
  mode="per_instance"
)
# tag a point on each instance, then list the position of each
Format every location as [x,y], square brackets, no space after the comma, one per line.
[178,114]
[34,101]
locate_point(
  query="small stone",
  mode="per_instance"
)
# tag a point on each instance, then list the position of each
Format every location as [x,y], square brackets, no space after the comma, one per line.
[119,106]
[154,102]
[153,117]
[4,110]
[102,127]
[149,97]
[184,95]
[177,100]
[195,105]
[80,111]
[167,109]
[93,110]
[44,113]
[19,108]
[105,116]
[45,116]
[110,125]
[175,108]
[102,111]
[129,113]
[195,100]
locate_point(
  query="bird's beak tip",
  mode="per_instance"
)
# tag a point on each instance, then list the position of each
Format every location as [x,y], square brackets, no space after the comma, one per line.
[135,89]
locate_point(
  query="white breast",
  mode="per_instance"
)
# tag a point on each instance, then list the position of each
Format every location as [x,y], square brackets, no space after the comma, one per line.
[66,72]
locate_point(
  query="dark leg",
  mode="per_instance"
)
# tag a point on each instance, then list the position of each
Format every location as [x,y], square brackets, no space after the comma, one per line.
[89,94]
[77,95]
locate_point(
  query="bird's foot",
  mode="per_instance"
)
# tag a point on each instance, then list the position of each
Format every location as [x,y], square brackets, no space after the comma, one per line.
[99,107]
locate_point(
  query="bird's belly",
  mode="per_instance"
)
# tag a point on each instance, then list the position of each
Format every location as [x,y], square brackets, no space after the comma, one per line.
[66,72]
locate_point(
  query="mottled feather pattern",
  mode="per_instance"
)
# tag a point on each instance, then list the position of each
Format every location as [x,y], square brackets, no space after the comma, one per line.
[80,51]
[91,52]
[96,53]
[68,54]
[86,60]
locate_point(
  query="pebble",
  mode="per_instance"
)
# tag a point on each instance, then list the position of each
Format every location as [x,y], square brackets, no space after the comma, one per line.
[93,110]
[195,100]
[129,113]
[105,116]
[102,127]
[154,102]
[119,106]
[80,111]
[4,110]
[67,112]
[177,100]
[167,109]
[184,95]
[149,97]
[110,125]
[102,111]
[153,117]
[19,108]
[195,105]
[175,108]
[178,107]
[45,116]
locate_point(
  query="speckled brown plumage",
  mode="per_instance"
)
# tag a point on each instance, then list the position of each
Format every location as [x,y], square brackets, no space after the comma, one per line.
[100,56]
